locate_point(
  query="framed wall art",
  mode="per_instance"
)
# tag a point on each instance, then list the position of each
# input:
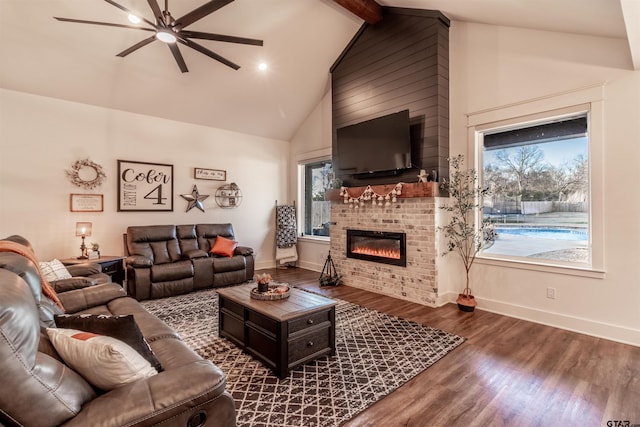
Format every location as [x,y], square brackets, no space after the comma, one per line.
[86,203]
[210,174]
[145,186]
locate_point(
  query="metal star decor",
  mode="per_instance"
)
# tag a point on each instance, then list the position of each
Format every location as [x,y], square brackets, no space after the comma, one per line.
[195,199]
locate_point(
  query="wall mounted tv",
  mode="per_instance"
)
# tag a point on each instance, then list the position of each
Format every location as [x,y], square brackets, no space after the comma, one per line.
[376,147]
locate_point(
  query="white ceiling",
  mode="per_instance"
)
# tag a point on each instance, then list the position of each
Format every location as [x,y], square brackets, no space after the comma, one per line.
[302,39]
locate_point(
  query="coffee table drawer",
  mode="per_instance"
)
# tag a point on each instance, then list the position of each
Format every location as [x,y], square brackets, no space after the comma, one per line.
[263,322]
[309,345]
[309,321]
[231,306]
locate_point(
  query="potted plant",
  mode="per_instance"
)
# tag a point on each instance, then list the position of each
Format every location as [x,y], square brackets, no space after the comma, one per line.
[466,234]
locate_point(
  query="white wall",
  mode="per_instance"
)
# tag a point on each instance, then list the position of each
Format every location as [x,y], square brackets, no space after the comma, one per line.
[497,66]
[41,138]
[312,140]
[492,67]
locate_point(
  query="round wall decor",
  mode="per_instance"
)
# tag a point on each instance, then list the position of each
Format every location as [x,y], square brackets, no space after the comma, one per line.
[229,196]
[86,174]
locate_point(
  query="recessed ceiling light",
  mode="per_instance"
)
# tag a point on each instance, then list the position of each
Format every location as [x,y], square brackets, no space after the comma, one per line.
[262,66]
[134,19]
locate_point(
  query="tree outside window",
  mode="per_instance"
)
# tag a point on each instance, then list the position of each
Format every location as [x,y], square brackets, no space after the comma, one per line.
[317,210]
[539,180]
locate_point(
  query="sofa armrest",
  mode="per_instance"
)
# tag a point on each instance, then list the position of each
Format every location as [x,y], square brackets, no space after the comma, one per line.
[138,261]
[243,250]
[193,254]
[174,396]
[66,285]
[84,269]
[82,299]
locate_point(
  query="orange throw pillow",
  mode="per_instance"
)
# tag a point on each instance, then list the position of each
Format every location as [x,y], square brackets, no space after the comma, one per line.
[224,246]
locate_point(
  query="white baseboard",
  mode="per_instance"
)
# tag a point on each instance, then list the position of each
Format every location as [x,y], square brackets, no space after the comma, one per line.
[571,323]
[311,266]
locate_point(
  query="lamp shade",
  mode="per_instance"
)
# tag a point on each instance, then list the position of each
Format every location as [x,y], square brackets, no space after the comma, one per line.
[83,229]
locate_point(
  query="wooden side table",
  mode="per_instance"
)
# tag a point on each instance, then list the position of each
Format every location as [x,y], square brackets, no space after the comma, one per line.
[111,264]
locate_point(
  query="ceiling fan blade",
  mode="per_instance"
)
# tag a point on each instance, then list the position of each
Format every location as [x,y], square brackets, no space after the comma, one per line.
[136,46]
[157,13]
[178,57]
[201,12]
[204,50]
[111,2]
[220,38]
[107,24]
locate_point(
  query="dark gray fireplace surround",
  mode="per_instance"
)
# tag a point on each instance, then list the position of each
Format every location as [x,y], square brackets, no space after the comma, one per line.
[377,246]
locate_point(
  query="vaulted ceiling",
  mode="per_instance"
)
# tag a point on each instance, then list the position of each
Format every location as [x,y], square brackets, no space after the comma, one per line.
[302,38]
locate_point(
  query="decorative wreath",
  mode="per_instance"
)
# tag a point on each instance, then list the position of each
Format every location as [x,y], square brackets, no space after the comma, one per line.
[74,174]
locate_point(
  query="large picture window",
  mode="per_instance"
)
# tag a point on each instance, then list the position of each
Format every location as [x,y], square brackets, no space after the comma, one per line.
[316,180]
[538,174]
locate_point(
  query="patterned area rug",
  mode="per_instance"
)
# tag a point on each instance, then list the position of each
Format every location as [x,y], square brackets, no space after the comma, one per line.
[375,354]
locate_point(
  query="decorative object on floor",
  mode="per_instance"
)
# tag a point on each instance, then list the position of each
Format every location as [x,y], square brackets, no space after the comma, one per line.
[423,176]
[274,291]
[229,196]
[263,281]
[329,276]
[86,174]
[286,235]
[171,31]
[369,194]
[210,174]
[375,354]
[144,187]
[463,236]
[86,203]
[83,229]
[195,199]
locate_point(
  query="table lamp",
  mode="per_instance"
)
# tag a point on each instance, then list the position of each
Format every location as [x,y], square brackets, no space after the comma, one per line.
[83,229]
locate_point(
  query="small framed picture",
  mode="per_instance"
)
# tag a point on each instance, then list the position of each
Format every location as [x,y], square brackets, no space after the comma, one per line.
[86,203]
[210,174]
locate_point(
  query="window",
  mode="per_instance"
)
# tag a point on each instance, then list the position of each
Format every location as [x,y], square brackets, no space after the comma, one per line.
[538,173]
[316,180]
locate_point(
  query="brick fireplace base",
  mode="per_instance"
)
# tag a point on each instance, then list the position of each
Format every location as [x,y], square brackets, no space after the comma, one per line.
[417,282]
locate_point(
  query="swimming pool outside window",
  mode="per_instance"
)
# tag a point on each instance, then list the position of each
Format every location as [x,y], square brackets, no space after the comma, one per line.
[538,172]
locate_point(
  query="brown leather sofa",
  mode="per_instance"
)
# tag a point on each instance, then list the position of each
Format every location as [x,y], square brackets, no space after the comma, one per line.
[166,260]
[39,389]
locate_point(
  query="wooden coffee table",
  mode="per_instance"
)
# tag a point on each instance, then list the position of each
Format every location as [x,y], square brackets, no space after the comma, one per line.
[283,333]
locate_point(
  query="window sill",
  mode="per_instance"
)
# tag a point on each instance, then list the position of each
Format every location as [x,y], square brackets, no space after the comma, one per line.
[523,264]
[315,239]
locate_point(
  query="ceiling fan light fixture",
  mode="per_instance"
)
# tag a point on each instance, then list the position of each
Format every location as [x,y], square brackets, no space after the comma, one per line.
[166,36]
[134,19]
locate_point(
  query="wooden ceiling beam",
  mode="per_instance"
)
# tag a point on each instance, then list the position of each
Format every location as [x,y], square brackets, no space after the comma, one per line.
[369,10]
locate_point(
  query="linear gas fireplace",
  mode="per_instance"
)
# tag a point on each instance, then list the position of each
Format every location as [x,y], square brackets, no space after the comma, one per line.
[377,246]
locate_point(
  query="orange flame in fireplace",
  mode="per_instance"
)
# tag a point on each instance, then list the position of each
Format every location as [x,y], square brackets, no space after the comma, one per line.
[382,253]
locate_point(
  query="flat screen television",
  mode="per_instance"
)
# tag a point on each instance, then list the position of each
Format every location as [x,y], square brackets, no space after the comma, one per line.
[374,147]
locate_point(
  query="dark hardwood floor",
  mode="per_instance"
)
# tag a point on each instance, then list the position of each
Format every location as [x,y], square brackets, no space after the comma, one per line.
[509,372]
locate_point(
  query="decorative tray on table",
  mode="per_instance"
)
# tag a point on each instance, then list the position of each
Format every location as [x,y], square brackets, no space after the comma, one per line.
[276,291]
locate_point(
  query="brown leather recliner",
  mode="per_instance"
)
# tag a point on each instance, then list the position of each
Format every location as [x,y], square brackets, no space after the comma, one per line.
[166,260]
[38,389]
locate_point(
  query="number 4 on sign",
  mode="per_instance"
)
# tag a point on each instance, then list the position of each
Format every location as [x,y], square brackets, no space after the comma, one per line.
[159,200]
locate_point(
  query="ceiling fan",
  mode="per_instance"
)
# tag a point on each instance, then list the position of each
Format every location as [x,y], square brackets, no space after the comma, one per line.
[172,31]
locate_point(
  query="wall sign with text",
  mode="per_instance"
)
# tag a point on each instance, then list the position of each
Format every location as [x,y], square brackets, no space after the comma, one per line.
[144,186]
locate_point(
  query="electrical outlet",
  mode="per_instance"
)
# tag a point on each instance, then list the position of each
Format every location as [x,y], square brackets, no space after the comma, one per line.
[551,293]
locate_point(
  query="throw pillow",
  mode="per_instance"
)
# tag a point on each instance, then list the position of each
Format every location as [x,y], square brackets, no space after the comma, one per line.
[224,246]
[105,362]
[120,327]
[54,270]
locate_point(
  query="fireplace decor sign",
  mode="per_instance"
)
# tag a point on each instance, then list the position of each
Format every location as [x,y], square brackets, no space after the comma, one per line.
[145,186]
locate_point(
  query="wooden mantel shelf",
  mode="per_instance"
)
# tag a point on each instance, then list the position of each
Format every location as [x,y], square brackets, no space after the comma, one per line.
[409,190]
